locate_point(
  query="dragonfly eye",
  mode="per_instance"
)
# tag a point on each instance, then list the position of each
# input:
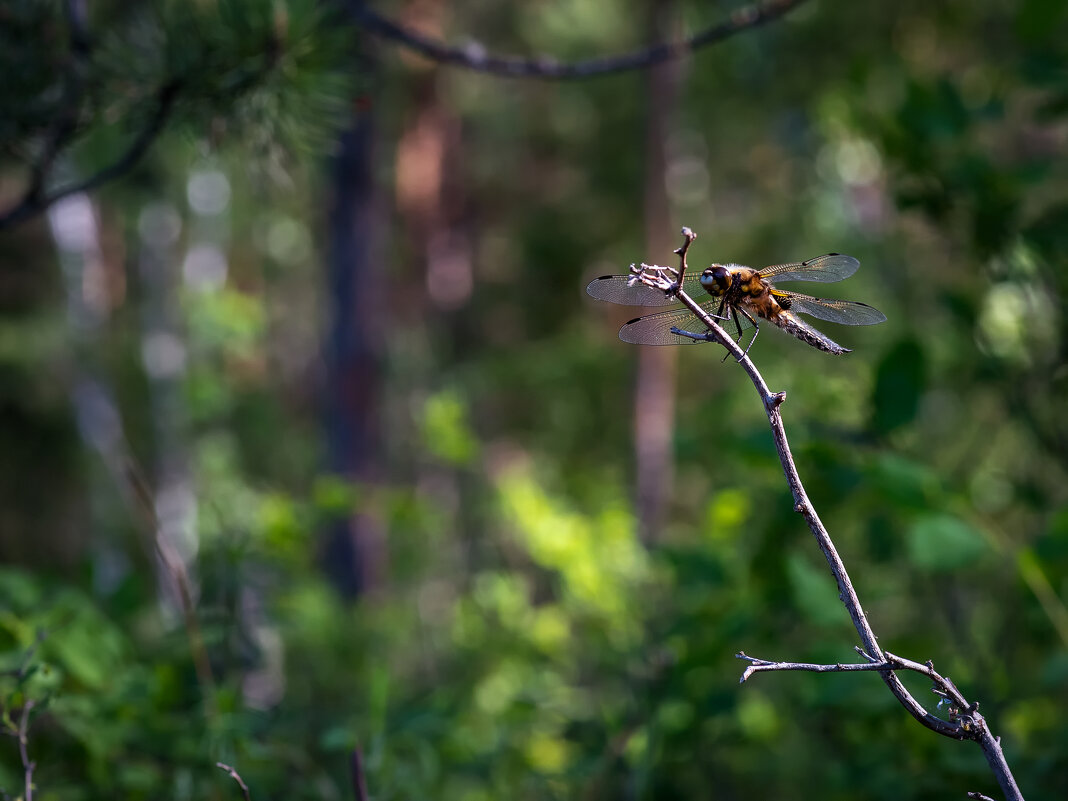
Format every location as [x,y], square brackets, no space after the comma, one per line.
[716,280]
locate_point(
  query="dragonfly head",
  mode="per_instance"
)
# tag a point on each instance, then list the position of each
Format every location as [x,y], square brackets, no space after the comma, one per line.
[716,280]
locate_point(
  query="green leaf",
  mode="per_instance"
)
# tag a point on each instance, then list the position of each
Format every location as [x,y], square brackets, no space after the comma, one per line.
[815,592]
[900,381]
[943,542]
[903,482]
[337,738]
[445,429]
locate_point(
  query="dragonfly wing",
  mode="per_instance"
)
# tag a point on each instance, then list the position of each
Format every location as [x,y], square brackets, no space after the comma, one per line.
[827,268]
[846,312]
[655,329]
[617,289]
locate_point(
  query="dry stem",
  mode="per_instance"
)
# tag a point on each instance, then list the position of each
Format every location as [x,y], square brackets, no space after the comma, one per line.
[24,754]
[236,777]
[473,56]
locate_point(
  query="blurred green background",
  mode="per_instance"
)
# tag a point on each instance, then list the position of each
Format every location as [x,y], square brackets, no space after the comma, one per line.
[327,348]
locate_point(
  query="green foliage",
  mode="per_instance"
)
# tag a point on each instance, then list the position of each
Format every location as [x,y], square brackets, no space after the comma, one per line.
[274,77]
[519,640]
[31,44]
[899,385]
[446,434]
[941,542]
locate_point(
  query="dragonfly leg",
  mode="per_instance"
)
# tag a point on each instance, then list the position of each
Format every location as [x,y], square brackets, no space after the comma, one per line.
[706,336]
[737,323]
[756,330]
[719,315]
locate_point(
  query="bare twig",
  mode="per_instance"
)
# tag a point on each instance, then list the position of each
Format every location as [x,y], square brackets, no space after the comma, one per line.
[359,781]
[980,796]
[762,665]
[27,765]
[969,725]
[473,56]
[35,200]
[102,429]
[237,778]
[131,478]
[943,686]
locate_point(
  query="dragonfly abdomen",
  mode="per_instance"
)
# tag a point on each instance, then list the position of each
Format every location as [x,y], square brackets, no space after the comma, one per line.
[795,326]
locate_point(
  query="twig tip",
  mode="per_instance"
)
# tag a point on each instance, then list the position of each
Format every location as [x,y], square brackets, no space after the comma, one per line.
[236,777]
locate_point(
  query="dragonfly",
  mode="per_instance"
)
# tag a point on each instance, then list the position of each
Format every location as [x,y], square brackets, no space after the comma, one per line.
[742,295]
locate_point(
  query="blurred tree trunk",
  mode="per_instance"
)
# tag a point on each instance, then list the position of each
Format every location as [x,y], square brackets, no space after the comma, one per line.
[95,284]
[163,355]
[654,399]
[353,553]
[433,206]
[430,192]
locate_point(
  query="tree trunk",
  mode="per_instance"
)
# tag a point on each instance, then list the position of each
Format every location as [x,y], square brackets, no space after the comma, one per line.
[654,399]
[353,554]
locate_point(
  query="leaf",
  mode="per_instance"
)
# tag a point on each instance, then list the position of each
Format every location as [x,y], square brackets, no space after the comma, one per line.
[446,431]
[944,542]
[815,593]
[900,381]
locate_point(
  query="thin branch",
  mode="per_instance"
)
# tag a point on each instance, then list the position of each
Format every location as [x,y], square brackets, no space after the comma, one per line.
[359,781]
[66,122]
[27,765]
[762,665]
[35,200]
[971,726]
[943,686]
[131,478]
[473,56]
[137,493]
[980,796]
[237,778]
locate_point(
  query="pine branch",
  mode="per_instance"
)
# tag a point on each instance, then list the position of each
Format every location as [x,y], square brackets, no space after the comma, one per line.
[35,201]
[64,127]
[212,71]
[66,123]
[474,56]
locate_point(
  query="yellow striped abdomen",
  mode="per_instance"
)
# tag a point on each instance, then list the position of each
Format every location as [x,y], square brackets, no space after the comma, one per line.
[795,326]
